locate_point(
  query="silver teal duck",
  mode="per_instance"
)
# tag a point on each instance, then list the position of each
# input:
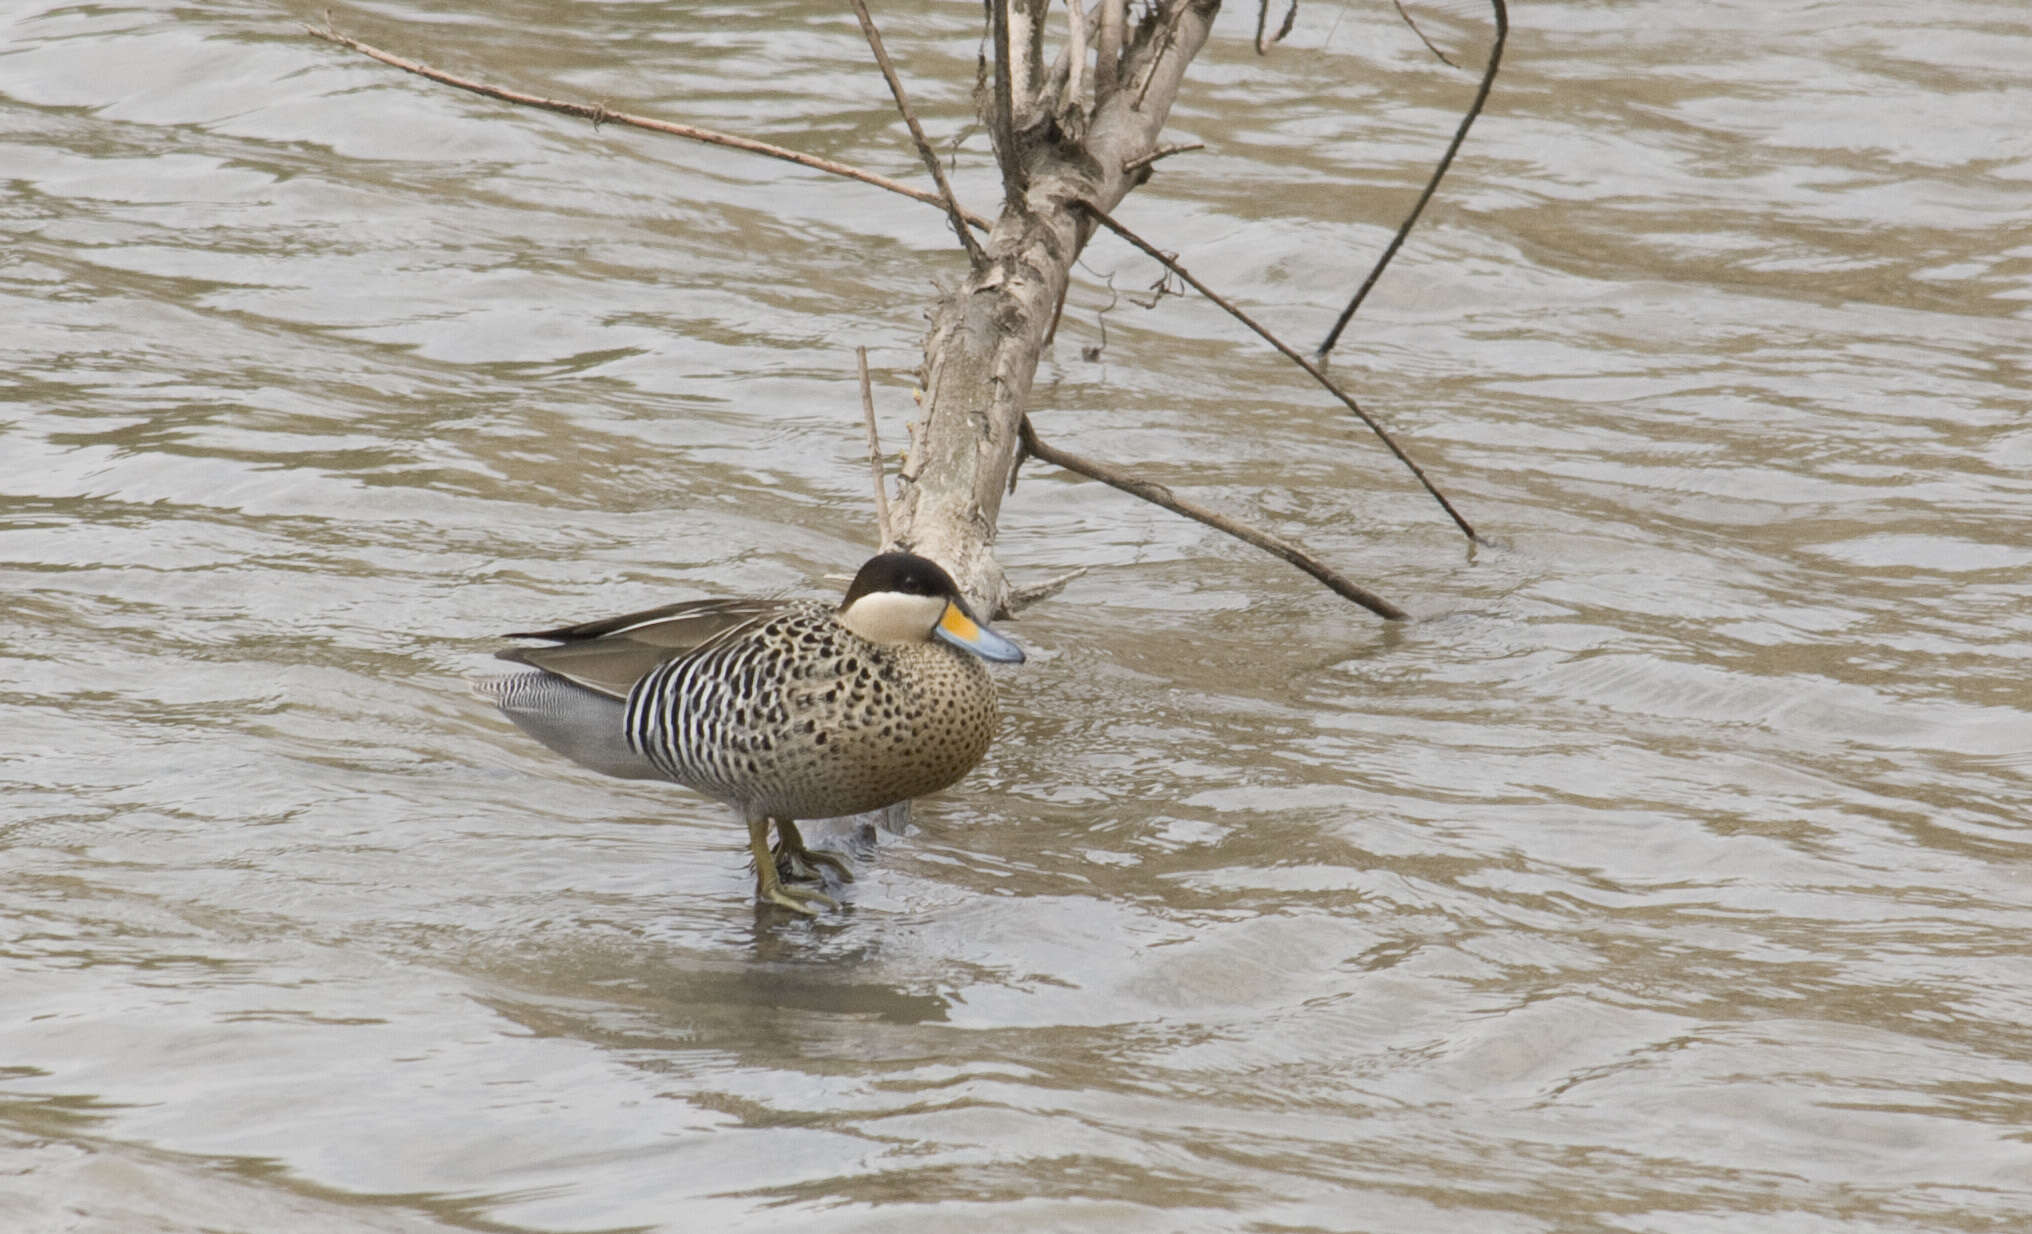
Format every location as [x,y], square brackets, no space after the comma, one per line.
[782,710]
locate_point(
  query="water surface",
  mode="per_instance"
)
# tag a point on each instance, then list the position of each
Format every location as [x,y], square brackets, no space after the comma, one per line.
[1667,875]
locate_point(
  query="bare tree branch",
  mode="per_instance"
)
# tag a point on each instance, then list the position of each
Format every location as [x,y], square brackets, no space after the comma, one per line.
[1162,152]
[1311,369]
[599,114]
[1108,46]
[1263,22]
[1178,8]
[1026,59]
[1074,101]
[1432,185]
[924,150]
[1158,494]
[1003,123]
[1048,95]
[1023,597]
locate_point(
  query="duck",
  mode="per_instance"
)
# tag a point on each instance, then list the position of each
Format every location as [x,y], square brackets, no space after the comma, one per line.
[782,710]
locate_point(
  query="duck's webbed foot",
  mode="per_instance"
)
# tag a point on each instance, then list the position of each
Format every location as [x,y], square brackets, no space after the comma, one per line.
[796,899]
[769,888]
[796,862]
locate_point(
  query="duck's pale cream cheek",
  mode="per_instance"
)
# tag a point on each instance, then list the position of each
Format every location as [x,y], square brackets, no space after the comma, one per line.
[893,617]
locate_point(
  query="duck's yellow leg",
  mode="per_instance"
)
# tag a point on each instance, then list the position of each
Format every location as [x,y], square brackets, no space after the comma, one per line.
[794,860]
[769,888]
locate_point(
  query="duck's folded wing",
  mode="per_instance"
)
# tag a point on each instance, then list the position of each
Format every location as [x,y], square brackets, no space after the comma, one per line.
[610,655]
[683,625]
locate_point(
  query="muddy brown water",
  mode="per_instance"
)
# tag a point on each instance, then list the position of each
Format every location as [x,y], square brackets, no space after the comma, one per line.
[1670,874]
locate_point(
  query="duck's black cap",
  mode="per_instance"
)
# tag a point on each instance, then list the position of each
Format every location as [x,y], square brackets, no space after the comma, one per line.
[902,572]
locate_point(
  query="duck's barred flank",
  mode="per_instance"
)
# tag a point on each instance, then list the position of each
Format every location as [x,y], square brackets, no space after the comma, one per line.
[800,718]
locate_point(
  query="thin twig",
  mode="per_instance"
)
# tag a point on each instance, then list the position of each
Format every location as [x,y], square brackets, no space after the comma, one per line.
[874,449]
[1157,493]
[1263,22]
[1311,369]
[1137,164]
[1445,161]
[1429,44]
[924,150]
[1093,351]
[599,114]
[1153,294]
